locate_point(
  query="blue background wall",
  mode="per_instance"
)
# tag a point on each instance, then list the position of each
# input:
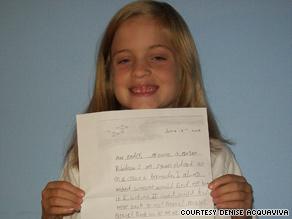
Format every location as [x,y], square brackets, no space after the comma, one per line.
[47,52]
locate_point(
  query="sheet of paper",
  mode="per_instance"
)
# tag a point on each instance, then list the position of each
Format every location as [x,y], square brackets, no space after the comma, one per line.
[144,163]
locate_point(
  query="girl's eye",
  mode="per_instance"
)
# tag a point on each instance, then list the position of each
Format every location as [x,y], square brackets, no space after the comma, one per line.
[123,61]
[159,58]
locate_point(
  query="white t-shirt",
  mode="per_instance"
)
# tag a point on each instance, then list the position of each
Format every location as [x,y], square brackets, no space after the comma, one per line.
[222,163]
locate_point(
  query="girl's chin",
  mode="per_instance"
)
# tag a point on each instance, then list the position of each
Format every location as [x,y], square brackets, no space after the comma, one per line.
[140,106]
[145,107]
[147,104]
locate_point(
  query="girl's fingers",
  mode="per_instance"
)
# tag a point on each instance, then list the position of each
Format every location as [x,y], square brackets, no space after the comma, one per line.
[59,210]
[60,194]
[59,206]
[230,188]
[66,186]
[234,197]
[231,192]
[222,180]
[61,198]
[232,205]
[61,202]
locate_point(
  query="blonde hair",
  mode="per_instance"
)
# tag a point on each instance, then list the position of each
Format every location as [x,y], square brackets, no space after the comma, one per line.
[191,89]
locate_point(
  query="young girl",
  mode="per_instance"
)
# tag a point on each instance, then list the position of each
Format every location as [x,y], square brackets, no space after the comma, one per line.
[147,59]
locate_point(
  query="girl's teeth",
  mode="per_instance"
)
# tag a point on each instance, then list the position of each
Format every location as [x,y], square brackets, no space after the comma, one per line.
[149,90]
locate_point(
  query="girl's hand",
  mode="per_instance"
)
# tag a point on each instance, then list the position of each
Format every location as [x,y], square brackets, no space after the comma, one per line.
[231,192]
[60,198]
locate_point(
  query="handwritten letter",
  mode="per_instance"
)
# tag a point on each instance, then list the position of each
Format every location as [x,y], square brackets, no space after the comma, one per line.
[144,163]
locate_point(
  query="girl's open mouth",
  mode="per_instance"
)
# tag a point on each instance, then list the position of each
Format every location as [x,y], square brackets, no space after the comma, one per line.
[144,90]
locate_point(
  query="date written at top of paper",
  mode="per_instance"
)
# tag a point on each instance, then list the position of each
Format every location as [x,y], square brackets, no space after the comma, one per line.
[144,163]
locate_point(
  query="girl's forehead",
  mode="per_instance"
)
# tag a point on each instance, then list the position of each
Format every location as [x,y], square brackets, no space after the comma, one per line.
[141,31]
[147,22]
[143,19]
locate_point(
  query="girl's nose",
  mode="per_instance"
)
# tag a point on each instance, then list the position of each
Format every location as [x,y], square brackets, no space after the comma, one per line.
[140,70]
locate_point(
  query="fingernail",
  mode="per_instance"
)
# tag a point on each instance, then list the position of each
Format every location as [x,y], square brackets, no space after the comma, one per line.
[78,208]
[213,193]
[215,200]
[69,210]
[80,201]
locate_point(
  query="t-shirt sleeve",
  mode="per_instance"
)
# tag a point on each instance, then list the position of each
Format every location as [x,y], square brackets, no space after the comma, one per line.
[70,174]
[223,161]
[233,167]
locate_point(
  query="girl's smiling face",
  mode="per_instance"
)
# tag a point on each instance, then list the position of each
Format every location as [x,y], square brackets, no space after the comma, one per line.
[145,67]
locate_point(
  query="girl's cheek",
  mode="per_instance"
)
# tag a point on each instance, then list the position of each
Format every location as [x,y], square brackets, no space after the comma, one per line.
[122,69]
